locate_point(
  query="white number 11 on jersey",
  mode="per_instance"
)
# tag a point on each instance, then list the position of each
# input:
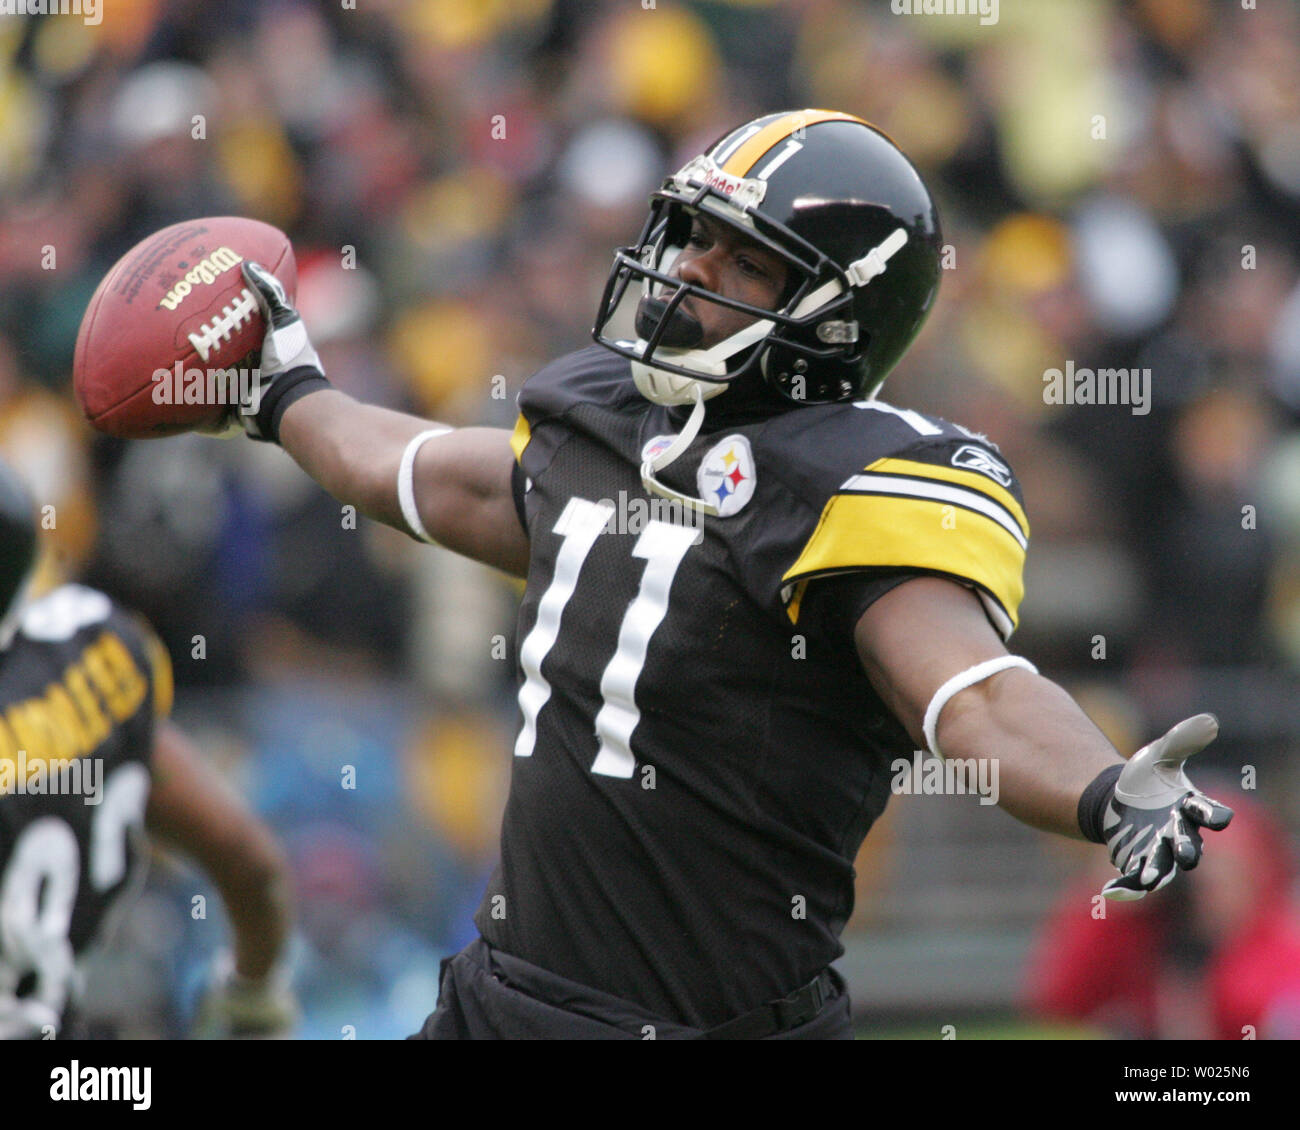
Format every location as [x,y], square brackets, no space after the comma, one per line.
[662,545]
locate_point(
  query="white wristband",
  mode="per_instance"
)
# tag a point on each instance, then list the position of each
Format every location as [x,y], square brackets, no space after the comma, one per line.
[960,682]
[406,482]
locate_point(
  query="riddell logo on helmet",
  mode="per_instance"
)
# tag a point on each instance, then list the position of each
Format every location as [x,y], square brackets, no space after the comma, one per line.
[704,170]
[723,182]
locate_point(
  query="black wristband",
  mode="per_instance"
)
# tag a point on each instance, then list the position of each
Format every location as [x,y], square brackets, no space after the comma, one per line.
[1092,804]
[285,389]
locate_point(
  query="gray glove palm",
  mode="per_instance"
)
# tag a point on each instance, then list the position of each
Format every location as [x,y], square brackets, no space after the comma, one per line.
[1153,820]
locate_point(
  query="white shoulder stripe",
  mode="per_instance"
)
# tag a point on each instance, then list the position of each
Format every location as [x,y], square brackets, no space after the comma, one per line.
[938,492]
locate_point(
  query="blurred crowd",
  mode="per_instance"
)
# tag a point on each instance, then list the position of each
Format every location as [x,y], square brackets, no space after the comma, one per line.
[1119,185]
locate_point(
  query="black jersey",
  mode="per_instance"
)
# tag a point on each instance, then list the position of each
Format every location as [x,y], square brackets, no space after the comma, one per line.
[81,685]
[700,758]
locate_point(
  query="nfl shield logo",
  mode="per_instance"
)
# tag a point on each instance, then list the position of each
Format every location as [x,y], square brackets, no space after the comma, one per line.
[654,447]
[726,477]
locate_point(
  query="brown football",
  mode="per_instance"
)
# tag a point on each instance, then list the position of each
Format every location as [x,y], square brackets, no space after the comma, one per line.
[172,332]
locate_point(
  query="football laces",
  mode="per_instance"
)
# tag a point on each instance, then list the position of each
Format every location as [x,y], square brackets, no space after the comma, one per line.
[232,317]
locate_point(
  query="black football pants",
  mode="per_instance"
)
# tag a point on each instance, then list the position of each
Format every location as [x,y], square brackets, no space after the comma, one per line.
[489,995]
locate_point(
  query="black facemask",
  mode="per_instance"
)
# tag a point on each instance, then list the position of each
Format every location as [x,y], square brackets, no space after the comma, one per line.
[684,330]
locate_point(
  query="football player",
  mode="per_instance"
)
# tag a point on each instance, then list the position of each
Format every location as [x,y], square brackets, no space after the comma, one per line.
[751,584]
[88,759]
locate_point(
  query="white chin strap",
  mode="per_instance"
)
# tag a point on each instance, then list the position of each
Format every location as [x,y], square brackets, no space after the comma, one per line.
[663,387]
[668,388]
[671,452]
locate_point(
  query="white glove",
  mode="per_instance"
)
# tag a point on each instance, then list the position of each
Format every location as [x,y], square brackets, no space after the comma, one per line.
[236,1007]
[286,350]
[1153,820]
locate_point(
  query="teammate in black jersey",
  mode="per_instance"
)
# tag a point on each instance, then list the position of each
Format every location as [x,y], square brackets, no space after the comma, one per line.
[750,586]
[87,760]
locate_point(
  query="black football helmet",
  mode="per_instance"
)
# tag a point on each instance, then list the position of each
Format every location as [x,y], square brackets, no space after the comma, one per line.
[848,214]
[17,544]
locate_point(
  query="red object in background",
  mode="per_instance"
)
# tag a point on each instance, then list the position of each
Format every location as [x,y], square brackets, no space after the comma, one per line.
[1116,972]
[176,297]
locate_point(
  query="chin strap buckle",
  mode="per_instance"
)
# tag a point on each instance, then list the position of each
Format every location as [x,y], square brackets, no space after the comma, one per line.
[837,332]
[873,263]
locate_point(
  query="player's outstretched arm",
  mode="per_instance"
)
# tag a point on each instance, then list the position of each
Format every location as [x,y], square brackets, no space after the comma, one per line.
[193,810]
[1055,769]
[456,486]
[460,481]
[920,634]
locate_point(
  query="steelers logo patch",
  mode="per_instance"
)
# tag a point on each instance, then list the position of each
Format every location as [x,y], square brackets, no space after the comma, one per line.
[726,476]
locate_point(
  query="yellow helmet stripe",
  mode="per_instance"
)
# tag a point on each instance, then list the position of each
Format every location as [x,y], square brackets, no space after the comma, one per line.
[743,160]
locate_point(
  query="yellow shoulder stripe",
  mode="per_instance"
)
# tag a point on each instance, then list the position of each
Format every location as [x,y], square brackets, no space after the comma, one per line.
[858,531]
[970,479]
[519,437]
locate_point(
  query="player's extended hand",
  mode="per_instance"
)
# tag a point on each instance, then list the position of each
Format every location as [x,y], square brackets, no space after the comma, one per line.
[286,346]
[1153,820]
[236,1007]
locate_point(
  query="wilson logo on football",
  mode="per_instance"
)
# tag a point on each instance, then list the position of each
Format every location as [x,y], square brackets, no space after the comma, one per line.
[977,459]
[204,273]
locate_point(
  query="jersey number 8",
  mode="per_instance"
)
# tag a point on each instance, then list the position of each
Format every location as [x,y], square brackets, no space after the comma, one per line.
[38,891]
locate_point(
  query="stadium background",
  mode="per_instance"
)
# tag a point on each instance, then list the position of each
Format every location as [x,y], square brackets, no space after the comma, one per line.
[1119,184]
